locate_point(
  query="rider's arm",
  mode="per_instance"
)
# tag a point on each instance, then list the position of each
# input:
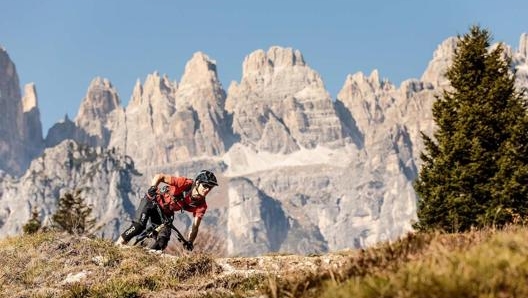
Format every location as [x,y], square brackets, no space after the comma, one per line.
[160,178]
[194,230]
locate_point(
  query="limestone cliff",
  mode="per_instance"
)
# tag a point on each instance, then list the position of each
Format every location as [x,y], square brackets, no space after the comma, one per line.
[20,126]
[105,178]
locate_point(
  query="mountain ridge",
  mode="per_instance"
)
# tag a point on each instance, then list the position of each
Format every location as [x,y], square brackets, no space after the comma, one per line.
[289,155]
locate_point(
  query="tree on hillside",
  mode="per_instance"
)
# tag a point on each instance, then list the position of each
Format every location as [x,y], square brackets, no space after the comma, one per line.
[475,170]
[73,215]
[34,224]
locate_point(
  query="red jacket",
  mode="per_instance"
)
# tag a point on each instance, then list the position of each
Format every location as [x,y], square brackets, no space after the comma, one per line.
[180,188]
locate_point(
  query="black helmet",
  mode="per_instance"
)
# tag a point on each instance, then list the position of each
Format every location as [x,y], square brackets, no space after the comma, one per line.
[206,177]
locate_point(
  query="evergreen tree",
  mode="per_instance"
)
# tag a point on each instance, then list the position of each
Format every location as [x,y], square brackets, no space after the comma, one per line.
[33,225]
[475,170]
[73,215]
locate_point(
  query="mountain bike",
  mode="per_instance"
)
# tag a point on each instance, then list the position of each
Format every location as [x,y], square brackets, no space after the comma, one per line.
[149,236]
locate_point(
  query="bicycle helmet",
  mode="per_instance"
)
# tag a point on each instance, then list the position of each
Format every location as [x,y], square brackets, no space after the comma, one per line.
[206,177]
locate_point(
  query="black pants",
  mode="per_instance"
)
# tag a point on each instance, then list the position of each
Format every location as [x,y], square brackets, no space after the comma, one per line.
[148,210]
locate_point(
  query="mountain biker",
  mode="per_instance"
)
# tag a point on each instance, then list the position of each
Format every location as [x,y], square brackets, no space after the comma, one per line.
[181,193]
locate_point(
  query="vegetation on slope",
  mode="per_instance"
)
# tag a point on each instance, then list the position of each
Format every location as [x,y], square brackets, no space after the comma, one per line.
[486,263]
[62,265]
[475,171]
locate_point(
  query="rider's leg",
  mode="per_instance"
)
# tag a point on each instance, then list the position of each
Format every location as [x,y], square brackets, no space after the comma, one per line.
[144,211]
[163,239]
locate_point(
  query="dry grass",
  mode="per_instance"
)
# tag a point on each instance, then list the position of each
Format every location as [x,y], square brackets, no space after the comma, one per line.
[45,264]
[478,264]
[206,242]
[486,263]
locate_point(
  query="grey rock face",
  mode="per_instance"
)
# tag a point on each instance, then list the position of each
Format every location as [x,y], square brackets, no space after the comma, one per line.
[281,104]
[31,125]
[20,126]
[200,123]
[60,131]
[520,62]
[256,222]
[177,122]
[523,45]
[94,114]
[442,58]
[105,178]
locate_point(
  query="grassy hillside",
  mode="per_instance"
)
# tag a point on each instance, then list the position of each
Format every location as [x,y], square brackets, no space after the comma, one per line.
[476,264]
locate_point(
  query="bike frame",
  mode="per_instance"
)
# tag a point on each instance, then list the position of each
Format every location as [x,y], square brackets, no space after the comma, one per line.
[149,231]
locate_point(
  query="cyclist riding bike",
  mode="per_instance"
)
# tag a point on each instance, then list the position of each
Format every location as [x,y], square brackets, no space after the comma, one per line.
[159,205]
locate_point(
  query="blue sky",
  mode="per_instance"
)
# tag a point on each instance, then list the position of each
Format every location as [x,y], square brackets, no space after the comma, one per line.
[61,45]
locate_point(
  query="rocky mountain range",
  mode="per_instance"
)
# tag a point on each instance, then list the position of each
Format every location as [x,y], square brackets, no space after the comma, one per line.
[299,171]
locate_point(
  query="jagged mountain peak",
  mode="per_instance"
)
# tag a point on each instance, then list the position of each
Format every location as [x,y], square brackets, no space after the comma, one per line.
[360,78]
[159,90]
[10,88]
[156,90]
[358,85]
[279,95]
[100,82]
[283,57]
[137,91]
[442,58]
[199,70]
[260,62]
[20,127]
[29,101]
[277,67]
[32,127]
[523,45]
[200,88]
[101,98]
[188,117]
[154,80]
[100,101]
